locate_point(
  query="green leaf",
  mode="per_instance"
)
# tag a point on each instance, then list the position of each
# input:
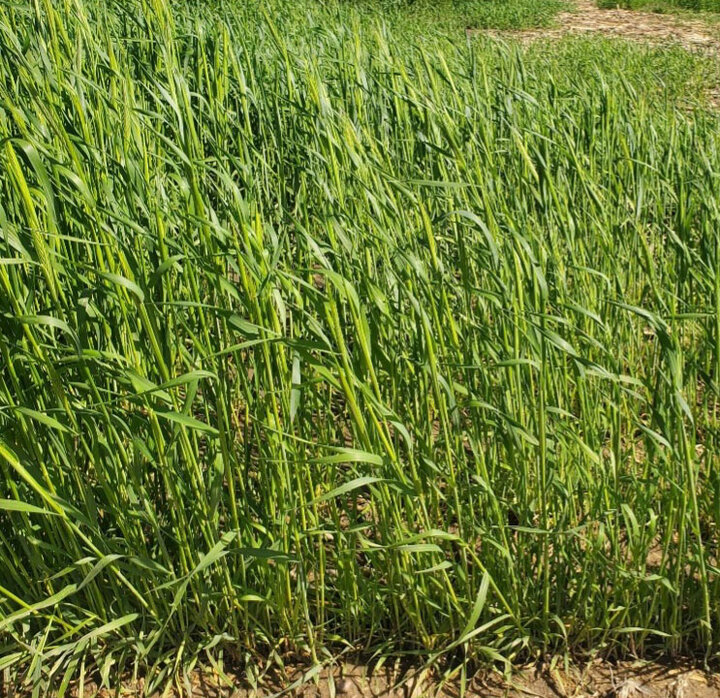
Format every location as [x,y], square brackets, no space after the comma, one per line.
[348,487]
[127,284]
[350,455]
[477,608]
[45,419]
[15,505]
[189,422]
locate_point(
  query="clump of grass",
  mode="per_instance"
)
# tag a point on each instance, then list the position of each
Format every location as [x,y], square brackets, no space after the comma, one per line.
[313,339]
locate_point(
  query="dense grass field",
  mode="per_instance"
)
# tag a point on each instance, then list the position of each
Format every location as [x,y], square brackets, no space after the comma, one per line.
[436,16]
[322,335]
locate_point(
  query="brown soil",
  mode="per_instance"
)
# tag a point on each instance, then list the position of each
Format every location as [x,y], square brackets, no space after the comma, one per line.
[598,680]
[595,680]
[650,27]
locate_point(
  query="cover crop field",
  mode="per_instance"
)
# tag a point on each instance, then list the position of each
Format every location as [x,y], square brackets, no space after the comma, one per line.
[324,334]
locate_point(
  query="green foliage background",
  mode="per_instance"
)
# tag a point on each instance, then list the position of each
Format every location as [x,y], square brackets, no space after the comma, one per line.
[321,335]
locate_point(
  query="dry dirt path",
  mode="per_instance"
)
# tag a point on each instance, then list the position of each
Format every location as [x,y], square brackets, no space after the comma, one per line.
[650,27]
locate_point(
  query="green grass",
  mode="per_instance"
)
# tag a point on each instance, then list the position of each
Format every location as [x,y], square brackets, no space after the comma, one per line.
[315,338]
[457,15]
[707,9]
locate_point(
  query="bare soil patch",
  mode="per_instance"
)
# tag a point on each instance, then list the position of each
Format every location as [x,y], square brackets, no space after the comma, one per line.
[595,680]
[650,27]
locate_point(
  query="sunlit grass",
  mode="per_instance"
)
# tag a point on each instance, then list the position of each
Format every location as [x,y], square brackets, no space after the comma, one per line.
[435,16]
[314,339]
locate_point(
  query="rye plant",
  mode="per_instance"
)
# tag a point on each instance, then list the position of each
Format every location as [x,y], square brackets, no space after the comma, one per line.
[315,339]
